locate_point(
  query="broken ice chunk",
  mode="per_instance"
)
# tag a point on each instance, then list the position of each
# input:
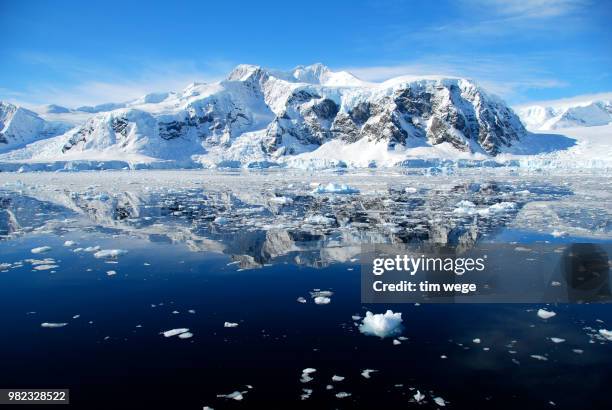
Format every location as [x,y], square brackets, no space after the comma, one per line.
[366,373]
[109,253]
[174,332]
[343,395]
[381,325]
[332,188]
[557,340]
[545,314]
[41,249]
[230,324]
[607,334]
[337,378]
[51,325]
[439,401]
[322,300]
[234,395]
[418,396]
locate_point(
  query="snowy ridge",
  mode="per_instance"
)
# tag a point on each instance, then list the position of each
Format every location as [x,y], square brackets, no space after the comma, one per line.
[19,126]
[309,117]
[567,114]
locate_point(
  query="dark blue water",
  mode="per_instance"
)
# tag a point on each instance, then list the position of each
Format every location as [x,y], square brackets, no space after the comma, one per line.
[109,362]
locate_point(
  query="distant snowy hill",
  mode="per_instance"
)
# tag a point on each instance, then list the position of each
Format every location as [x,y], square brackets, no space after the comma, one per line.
[19,127]
[567,114]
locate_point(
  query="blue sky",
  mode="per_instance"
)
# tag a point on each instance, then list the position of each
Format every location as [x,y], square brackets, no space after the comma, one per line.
[86,52]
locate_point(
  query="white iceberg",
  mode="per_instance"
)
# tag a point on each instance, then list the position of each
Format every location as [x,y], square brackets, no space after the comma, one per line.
[174,332]
[109,253]
[381,325]
[52,325]
[332,188]
[545,314]
[607,334]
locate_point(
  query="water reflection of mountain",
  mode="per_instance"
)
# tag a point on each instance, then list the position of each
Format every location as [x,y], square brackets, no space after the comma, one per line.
[266,225]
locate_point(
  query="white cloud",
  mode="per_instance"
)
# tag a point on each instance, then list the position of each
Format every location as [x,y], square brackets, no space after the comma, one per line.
[578,99]
[531,9]
[90,84]
[501,75]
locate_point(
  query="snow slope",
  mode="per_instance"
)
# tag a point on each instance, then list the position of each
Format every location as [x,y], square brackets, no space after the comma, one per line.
[19,127]
[567,114]
[309,117]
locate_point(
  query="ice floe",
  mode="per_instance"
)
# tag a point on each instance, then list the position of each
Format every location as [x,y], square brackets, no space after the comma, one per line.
[333,188]
[381,324]
[236,395]
[41,249]
[52,325]
[230,324]
[607,334]
[306,374]
[545,314]
[175,332]
[109,253]
[367,373]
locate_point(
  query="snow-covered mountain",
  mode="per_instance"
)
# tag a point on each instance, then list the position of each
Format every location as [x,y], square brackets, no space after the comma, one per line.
[568,114]
[261,116]
[19,126]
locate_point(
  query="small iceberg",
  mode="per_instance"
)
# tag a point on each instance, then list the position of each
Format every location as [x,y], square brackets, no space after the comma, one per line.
[332,188]
[381,325]
[175,332]
[52,325]
[109,253]
[545,314]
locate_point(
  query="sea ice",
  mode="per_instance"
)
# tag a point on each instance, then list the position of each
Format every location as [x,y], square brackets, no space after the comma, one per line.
[539,357]
[45,267]
[230,324]
[381,325]
[343,395]
[333,188]
[322,300]
[109,253]
[41,249]
[418,396]
[545,314]
[557,340]
[186,335]
[234,395]
[439,401]
[366,373]
[337,378]
[52,325]
[607,334]
[174,332]
[69,243]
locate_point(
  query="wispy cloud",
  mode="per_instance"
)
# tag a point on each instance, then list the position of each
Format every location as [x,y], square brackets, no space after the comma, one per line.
[502,75]
[84,83]
[577,99]
[532,9]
